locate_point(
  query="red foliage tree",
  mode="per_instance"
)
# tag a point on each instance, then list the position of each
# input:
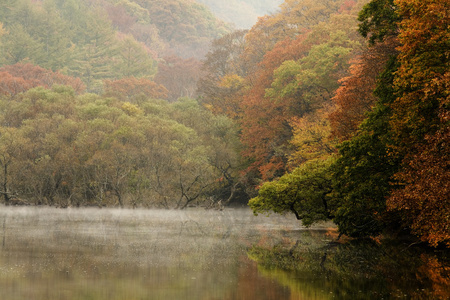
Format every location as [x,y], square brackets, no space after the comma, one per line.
[20,77]
[120,18]
[10,85]
[354,98]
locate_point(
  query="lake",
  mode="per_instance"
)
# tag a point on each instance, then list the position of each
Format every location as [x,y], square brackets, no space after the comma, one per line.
[49,253]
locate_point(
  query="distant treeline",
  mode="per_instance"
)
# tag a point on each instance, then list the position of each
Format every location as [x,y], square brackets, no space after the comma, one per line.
[95,40]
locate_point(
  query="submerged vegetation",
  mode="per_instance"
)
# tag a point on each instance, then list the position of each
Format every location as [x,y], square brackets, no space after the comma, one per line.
[329,109]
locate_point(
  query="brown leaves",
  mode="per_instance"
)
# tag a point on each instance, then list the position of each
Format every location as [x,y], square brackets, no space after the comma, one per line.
[421,119]
[265,124]
[422,78]
[425,199]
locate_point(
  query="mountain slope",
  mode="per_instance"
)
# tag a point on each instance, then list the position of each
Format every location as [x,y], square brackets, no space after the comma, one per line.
[104,39]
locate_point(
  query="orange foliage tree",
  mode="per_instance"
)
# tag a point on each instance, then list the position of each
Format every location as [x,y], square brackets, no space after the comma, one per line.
[423,76]
[293,78]
[265,126]
[354,98]
[128,89]
[425,199]
[421,118]
[293,19]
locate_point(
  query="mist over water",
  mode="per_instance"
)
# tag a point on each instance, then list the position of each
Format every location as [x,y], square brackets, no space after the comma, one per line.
[92,253]
[133,254]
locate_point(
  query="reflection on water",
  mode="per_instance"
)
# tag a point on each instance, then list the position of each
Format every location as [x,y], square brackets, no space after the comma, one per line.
[356,269]
[50,253]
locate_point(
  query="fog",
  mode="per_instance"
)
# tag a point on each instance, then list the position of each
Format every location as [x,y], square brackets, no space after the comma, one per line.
[243,14]
[134,254]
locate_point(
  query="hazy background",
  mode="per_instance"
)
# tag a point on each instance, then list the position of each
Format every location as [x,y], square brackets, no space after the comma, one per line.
[242,13]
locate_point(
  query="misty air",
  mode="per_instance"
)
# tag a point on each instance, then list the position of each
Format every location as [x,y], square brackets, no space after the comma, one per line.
[241,149]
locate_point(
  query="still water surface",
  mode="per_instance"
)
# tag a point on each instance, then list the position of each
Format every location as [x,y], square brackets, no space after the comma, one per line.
[112,254]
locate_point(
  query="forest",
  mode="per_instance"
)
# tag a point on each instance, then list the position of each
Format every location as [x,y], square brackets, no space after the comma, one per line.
[326,109]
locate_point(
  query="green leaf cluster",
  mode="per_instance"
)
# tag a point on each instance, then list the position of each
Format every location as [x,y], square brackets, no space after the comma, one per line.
[378,19]
[305,192]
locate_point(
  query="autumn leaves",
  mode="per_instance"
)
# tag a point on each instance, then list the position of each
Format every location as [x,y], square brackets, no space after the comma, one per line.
[329,123]
[383,108]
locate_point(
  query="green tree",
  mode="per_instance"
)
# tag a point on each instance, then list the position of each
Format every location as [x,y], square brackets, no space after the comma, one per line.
[50,30]
[134,59]
[92,62]
[305,192]
[19,46]
[378,20]
[11,151]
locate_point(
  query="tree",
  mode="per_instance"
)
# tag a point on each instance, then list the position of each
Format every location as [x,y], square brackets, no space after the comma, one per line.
[378,19]
[304,85]
[305,192]
[420,120]
[2,30]
[186,26]
[134,90]
[221,147]
[422,78]
[120,18]
[265,122]
[221,87]
[423,199]
[179,76]
[92,62]
[311,137]
[10,85]
[51,31]
[354,98]
[19,46]
[363,172]
[11,148]
[294,18]
[135,59]
[296,78]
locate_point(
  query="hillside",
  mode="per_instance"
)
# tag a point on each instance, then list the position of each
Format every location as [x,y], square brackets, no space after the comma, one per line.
[96,40]
[183,27]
